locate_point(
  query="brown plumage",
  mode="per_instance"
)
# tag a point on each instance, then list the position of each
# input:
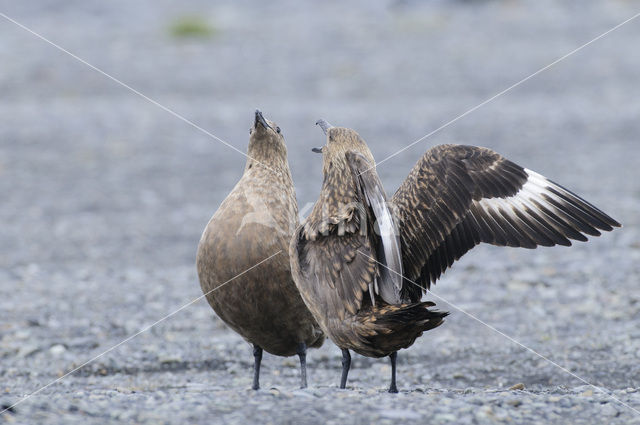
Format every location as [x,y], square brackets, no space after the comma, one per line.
[362,263]
[253,224]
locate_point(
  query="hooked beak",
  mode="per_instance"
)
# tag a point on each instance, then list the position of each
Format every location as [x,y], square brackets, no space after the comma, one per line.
[260,119]
[323,125]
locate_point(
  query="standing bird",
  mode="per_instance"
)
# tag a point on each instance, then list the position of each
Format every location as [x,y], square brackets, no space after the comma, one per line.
[362,263]
[243,262]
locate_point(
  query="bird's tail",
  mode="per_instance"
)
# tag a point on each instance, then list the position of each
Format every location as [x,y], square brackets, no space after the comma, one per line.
[397,326]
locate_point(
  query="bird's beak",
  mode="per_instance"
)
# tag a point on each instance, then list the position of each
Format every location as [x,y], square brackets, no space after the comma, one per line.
[260,119]
[323,125]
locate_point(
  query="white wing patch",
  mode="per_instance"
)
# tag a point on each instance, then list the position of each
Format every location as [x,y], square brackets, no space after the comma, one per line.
[542,212]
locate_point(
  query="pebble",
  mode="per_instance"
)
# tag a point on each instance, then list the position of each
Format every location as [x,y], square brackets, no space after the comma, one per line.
[28,350]
[399,414]
[609,410]
[57,350]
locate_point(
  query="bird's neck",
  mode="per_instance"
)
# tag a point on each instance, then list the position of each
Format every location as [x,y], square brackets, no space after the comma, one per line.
[337,205]
[267,158]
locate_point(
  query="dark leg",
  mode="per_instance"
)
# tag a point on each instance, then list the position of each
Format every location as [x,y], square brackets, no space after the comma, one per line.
[257,358]
[346,364]
[302,353]
[393,388]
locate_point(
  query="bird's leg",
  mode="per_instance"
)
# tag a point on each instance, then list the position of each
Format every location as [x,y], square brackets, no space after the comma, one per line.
[302,353]
[393,388]
[257,359]
[346,364]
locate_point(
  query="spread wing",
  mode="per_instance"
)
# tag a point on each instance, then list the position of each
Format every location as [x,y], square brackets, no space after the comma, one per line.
[458,196]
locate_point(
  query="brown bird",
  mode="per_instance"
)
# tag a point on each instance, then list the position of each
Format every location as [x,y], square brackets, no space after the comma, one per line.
[362,263]
[243,261]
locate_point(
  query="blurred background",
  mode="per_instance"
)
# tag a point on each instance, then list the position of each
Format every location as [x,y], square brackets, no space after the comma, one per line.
[105,195]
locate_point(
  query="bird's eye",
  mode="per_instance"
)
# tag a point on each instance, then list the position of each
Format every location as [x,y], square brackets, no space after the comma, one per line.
[250,130]
[278,130]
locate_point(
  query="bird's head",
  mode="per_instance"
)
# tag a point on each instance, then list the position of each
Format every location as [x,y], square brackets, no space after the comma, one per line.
[266,142]
[339,141]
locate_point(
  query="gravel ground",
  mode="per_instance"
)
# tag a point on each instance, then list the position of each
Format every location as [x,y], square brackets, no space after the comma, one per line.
[105,196]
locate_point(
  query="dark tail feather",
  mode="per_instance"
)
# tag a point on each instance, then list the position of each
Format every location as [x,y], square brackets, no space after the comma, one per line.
[398,326]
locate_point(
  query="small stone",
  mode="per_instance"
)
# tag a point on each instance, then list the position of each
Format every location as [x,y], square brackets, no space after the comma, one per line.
[399,414]
[608,410]
[169,359]
[22,334]
[28,350]
[518,386]
[57,350]
[445,418]
[303,393]
[587,393]
[566,403]
[484,412]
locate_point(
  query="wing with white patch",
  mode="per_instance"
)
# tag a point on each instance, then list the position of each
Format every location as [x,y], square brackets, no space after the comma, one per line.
[459,196]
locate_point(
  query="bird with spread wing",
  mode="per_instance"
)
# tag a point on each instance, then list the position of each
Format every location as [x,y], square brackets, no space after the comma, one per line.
[362,262]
